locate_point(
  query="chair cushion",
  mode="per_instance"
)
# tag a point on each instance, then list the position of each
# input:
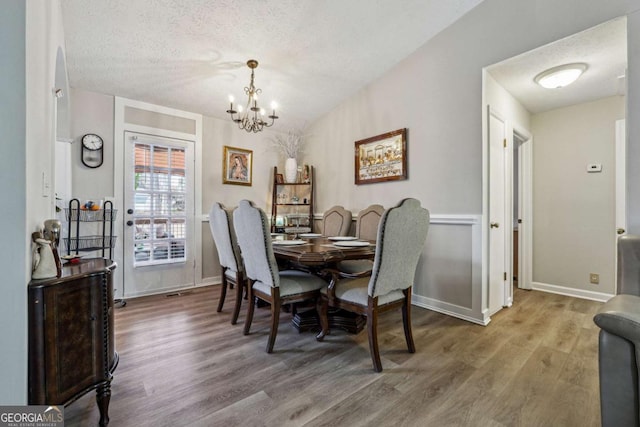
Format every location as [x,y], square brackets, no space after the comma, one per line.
[293,282]
[355,291]
[353,266]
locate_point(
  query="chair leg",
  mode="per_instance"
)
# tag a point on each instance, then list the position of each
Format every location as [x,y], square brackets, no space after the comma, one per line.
[322,307]
[372,330]
[406,320]
[275,320]
[250,308]
[223,291]
[239,291]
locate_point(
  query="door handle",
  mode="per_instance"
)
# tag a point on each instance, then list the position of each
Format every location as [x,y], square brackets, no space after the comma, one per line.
[129,211]
[494,225]
[129,223]
[620,230]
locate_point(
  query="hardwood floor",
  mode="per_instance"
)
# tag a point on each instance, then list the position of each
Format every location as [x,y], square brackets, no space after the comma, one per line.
[183,364]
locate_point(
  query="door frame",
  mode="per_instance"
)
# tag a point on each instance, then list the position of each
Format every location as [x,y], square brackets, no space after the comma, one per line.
[621,188]
[525,208]
[120,127]
[507,214]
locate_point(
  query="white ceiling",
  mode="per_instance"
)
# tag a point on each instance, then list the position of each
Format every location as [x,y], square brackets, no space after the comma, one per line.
[191,54]
[603,48]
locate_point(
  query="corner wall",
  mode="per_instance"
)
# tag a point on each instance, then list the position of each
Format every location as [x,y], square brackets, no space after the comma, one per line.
[436,93]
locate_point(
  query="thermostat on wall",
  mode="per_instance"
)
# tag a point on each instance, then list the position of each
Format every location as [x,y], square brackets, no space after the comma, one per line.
[594,167]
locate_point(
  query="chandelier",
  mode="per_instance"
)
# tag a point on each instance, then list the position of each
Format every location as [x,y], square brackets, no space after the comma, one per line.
[251,119]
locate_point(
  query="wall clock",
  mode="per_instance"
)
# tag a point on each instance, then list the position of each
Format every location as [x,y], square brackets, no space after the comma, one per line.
[92,150]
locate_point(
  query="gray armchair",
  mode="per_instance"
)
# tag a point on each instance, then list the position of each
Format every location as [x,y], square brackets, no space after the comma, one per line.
[618,359]
[266,281]
[619,341]
[401,237]
[366,229]
[221,224]
[629,265]
[336,221]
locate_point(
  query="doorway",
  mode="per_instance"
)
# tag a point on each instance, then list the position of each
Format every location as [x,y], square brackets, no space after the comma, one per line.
[574,197]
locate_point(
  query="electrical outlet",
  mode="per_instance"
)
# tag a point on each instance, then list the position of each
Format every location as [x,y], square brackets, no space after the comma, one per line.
[594,278]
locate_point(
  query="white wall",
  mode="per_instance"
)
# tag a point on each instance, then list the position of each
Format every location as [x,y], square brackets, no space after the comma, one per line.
[32,32]
[13,251]
[573,210]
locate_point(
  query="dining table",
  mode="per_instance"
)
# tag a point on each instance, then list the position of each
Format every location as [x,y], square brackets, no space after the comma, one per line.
[317,254]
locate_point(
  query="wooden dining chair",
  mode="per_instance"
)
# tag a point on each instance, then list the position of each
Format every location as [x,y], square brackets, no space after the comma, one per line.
[224,236]
[400,241]
[366,229]
[266,281]
[336,221]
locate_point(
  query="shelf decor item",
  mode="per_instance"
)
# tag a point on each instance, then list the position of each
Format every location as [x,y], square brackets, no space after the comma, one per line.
[381,158]
[290,145]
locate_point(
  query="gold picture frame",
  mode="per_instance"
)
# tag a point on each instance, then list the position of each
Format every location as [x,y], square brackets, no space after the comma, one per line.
[381,158]
[237,166]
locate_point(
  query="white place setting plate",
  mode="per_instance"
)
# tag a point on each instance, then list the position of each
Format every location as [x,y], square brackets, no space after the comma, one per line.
[351,244]
[288,242]
[342,238]
[310,235]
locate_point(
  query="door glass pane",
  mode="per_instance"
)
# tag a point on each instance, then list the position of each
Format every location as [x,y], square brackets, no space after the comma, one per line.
[159,200]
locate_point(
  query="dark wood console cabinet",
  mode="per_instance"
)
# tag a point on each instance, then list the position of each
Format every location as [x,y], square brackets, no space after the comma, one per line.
[71,335]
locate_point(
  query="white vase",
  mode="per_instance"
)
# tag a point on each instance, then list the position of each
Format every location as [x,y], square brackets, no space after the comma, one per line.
[290,170]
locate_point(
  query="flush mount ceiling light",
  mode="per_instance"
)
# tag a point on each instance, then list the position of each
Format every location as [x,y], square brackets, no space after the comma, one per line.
[560,76]
[252,119]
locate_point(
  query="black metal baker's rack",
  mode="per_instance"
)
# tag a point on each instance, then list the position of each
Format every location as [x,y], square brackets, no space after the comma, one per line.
[75,215]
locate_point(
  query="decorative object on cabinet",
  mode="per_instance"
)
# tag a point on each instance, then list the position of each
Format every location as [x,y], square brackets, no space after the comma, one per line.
[237,165]
[292,205]
[92,154]
[90,212]
[71,336]
[45,263]
[381,158]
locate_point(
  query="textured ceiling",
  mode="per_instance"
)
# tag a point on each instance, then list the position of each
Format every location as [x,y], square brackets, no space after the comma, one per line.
[603,48]
[191,54]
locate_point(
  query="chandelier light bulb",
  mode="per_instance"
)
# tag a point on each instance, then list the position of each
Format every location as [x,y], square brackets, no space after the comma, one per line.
[239,108]
[231,99]
[274,105]
[262,111]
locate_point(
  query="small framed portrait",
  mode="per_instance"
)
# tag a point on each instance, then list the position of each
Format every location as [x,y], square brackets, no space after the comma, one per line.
[237,165]
[381,158]
[279,178]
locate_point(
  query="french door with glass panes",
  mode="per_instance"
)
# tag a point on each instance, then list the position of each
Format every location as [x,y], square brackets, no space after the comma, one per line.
[159,214]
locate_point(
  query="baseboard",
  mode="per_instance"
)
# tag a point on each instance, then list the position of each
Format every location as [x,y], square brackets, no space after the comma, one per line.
[571,292]
[171,289]
[449,309]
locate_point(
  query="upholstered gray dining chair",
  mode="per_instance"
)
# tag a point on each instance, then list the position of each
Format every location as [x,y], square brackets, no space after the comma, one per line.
[366,229]
[224,236]
[400,241]
[266,282]
[336,221]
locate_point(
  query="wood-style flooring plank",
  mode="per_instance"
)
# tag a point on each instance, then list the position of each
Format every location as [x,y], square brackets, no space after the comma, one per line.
[184,364]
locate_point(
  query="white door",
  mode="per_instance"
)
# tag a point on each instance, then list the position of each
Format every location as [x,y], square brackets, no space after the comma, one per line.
[158,214]
[499,218]
[621,184]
